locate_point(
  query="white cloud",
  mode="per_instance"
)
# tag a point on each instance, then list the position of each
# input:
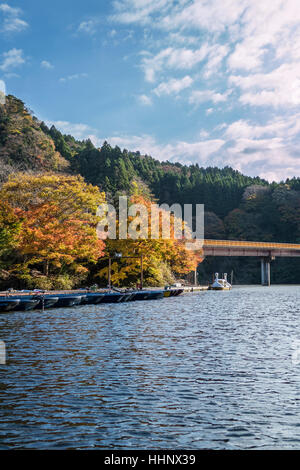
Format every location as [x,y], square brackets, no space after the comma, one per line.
[269,158]
[203,134]
[13,58]
[201,96]
[11,75]
[139,11]
[79,131]
[112,33]
[186,152]
[175,59]
[213,15]
[15,25]
[270,149]
[257,36]
[144,100]
[5,8]
[75,76]
[270,25]
[280,87]
[284,128]
[11,23]
[215,59]
[45,64]
[173,86]
[89,26]
[246,56]
[182,38]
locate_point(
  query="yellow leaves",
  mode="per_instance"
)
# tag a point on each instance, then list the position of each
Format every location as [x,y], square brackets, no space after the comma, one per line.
[59,214]
[10,226]
[71,193]
[161,257]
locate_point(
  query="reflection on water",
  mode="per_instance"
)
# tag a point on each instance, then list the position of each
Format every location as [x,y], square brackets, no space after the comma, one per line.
[209,370]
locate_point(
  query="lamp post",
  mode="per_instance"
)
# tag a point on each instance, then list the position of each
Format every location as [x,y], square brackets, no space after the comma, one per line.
[142,272]
[109,272]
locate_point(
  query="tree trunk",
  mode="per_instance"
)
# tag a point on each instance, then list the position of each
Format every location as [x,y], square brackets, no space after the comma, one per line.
[46,267]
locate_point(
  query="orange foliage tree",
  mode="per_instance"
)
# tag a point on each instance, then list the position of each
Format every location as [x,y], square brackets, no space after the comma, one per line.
[58,234]
[164,259]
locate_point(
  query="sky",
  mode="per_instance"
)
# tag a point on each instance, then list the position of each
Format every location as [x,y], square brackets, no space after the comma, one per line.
[213,82]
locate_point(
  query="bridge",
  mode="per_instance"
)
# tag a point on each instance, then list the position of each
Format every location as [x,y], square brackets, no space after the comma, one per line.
[267,251]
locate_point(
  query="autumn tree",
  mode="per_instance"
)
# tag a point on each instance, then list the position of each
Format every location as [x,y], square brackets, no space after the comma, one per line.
[58,234]
[10,226]
[163,258]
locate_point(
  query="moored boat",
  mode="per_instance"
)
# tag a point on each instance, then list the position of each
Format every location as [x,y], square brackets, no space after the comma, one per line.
[67,300]
[92,298]
[130,296]
[220,284]
[178,292]
[140,295]
[126,297]
[46,301]
[155,294]
[112,297]
[172,292]
[27,304]
[6,305]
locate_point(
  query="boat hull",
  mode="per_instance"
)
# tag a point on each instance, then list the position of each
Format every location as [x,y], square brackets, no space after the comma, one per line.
[154,295]
[27,304]
[131,297]
[219,288]
[126,297]
[68,301]
[140,295]
[173,292]
[47,302]
[178,292]
[112,297]
[92,299]
[7,305]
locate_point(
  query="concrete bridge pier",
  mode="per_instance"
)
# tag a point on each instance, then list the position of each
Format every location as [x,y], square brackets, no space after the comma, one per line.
[266,270]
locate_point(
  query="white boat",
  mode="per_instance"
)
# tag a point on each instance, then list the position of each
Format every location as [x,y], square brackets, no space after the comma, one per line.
[220,284]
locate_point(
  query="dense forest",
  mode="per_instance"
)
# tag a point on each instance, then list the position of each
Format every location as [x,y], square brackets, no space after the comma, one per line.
[236,206]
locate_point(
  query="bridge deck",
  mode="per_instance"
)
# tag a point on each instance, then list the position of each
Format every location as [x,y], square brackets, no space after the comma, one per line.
[248,244]
[267,251]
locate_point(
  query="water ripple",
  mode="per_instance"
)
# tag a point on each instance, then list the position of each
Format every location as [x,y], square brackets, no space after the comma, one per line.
[210,370]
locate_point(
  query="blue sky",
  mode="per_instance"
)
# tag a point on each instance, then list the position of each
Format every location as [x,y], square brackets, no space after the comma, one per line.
[215,82]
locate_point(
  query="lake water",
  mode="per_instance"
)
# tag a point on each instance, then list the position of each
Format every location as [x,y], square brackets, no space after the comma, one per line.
[213,370]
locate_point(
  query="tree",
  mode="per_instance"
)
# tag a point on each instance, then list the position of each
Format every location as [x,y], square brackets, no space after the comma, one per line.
[10,226]
[163,258]
[59,223]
